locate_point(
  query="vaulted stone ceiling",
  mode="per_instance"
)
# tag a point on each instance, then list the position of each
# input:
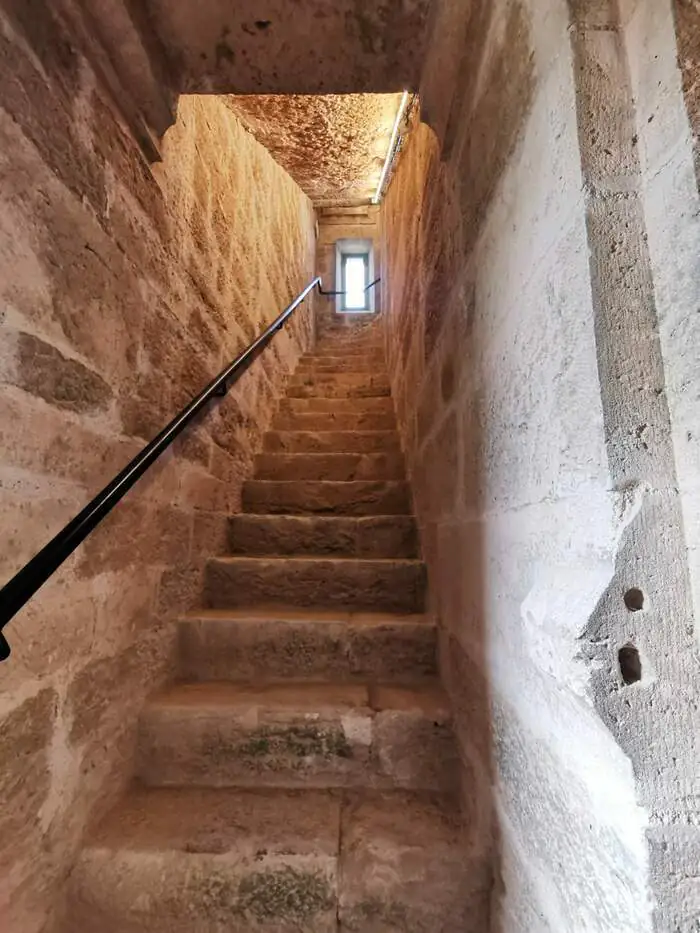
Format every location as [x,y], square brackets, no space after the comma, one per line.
[333,146]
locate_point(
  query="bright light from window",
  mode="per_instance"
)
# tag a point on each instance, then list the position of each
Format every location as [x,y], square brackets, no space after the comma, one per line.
[355,283]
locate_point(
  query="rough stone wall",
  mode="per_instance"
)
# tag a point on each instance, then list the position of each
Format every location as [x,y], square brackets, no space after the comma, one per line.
[531,484]
[122,293]
[663,65]
[687,32]
[338,223]
[646,613]
[667,127]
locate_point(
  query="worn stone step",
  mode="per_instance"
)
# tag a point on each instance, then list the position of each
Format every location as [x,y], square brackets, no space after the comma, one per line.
[220,860]
[317,497]
[336,467]
[298,735]
[214,860]
[341,337]
[403,867]
[315,403]
[322,382]
[334,421]
[337,364]
[337,388]
[331,441]
[360,584]
[334,349]
[257,644]
[349,335]
[356,536]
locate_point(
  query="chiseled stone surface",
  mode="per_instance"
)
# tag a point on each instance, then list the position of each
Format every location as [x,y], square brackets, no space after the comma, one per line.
[306,497]
[273,861]
[350,536]
[334,421]
[344,467]
[360,584]
[194,859]
[258,644]
[312,403]
[298,735]
[119,300]
[334,441]
[388,884]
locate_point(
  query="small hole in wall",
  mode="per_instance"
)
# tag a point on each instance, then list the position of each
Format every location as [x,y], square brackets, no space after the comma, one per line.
[262,24]
[634,599]
[630,664]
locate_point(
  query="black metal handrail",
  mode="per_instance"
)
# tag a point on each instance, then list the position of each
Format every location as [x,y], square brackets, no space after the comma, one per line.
[366,288]
[20,589]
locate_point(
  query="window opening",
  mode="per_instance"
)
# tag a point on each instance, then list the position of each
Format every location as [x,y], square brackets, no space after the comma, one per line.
[355,279]
[354,274]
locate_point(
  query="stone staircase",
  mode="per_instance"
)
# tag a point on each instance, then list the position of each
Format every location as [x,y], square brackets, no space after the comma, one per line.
[301,774]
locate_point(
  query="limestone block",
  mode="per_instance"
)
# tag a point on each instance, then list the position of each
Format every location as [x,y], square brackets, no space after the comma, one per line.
[364,585]
[351,497]
[300,734]
[332,421]
[388,885]
[252,644]
[334,467]
[367,536]
[334,441]
[190,856]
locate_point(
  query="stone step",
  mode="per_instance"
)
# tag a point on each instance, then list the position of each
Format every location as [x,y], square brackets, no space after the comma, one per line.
[334,421]
[329,466]
[359,584]
[365,336]
[298,442]
[337,364]
[334,349]
[196,860]
[273,861]
[323,382]
[363,536]
[318,497]
[349,350]
[315,403]
[403,867]
[298,735]
[359,329]
[274,644]
[337,388]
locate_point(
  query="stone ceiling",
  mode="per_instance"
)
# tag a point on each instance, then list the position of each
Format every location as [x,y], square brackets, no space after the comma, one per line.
[333,146]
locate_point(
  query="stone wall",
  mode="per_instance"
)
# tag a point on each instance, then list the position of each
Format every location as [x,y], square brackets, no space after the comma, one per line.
[663,81]
[337,223]
[541,495]
[123,291]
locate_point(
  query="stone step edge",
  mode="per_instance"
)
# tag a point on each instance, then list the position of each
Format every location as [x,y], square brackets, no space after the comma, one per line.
[369,519]
[313,559]
[389,432]
[431,699]
[118,836]
[325,483]
[294,615]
